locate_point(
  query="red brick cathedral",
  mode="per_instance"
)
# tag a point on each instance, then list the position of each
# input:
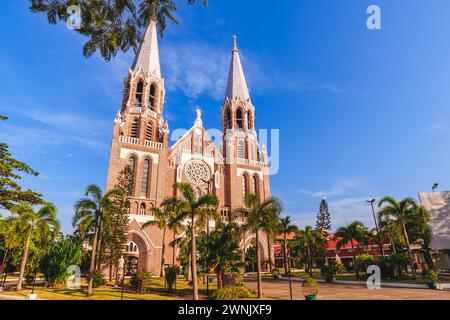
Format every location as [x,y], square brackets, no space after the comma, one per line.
[141,140]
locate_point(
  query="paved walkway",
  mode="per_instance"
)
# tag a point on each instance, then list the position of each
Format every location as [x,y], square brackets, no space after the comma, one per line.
[279,290]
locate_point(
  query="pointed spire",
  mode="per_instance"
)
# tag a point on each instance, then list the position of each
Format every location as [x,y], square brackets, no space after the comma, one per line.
[237,86]
[148,54]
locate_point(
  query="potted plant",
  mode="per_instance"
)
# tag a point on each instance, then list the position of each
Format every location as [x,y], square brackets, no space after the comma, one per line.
[432,276]
[276,274]
[310,288]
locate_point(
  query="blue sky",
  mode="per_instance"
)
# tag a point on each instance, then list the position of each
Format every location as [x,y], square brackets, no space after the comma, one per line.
[361,113]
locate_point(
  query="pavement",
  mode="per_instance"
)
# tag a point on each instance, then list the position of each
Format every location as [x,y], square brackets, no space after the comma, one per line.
[279,290]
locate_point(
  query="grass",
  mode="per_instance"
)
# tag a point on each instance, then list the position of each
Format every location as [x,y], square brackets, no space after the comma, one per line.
[109,292]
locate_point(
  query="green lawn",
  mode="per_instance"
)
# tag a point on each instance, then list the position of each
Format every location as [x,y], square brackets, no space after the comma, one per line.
[109,292]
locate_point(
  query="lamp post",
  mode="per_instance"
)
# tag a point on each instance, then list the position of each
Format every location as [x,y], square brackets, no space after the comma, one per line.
[435,186]
[380,243]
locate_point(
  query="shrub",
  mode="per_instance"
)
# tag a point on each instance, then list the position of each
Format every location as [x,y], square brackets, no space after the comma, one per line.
[432,276]
[232,293]
[387,267]
[171,276]
[329,271]
[276,274]
[141,281]
[364,261]
[310,287]
[99,279]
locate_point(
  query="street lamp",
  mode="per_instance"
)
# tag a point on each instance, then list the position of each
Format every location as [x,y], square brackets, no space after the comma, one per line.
[380,243]
[435,186]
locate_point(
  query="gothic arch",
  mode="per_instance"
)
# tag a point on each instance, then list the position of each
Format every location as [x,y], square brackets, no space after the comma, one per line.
[239,119]
[146,178]
[153,97]
[139,93]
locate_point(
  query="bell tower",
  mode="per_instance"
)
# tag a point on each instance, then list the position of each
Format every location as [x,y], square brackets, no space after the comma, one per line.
[246,165]
[140,136]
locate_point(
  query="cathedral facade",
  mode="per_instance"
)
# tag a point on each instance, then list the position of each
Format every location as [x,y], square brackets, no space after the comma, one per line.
[141,140]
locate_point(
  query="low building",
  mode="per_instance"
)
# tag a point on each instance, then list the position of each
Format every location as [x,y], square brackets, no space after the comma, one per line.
[438,205]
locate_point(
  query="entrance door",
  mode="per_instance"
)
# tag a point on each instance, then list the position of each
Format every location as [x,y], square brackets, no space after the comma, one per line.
[132,266]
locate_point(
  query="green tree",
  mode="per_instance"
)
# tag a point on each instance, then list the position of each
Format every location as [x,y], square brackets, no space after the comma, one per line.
[89,212]
[286,227]
[323,225]
[110,26]
[175,223]
[308,241]
[260,214]
[32,222]
[221,251]
[64,253]
[348,234]
[400,213]
[12,237]
[11,192]
[191,208]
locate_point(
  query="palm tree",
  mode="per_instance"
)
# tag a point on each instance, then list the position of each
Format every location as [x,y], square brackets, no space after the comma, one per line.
[30,221]
[285,227]
[89,212]
[260,214]
[308,239]
[400,213]
[348,234]
[271,228]
[163,217]
[191,208]
[175,223]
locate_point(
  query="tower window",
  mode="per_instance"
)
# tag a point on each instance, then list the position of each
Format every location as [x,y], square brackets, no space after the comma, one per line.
[152,98]
[149,132]
[139,93]
[132,164]
[244,185]
[145,177]
[239,119]
[135,129]
[228,119]
[241,149]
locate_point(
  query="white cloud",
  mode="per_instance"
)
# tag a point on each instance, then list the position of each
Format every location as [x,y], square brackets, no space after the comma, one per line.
[437,128]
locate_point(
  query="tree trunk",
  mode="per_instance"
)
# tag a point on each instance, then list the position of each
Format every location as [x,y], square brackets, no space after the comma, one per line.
[110,266]
[219,280]
[258,266]
[243,251]
[24,260]
[413,269]
[286,268]
[269,252]
[355,264]
[394,251]
[194,261]
[310,271]
[174,248]
[163,252]
[92,265]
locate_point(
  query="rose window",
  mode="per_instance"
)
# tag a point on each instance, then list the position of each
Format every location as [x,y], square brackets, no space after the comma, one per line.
[197,172]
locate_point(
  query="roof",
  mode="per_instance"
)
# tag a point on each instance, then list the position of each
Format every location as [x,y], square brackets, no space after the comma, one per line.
[438,205]
[147,57]
[237,85]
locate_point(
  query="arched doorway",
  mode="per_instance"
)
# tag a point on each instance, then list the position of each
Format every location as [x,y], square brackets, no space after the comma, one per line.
[136,255]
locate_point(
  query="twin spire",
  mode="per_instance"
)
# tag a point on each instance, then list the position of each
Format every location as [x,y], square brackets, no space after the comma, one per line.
[147,58]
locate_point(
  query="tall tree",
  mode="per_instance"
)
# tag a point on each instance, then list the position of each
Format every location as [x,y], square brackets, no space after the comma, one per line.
[191,208]
[348,234]
[308,240]
[10,171]
[110,26]
[89,212]
[286,227]
[323,225]
[30,221]
[259,214]
[400,213]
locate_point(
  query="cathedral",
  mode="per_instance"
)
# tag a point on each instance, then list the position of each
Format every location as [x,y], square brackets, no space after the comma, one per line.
[141,140]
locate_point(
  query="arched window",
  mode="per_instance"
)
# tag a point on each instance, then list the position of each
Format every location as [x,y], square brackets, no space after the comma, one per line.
[135,129]
[255,186]
[145,177]
[132,164]
[152,98]
[241,149]
[244,185]
[250,120]
[142,210]
[198,144]
[139,93]
[228,119]
[132,247]
[149,132]
[239,119]
[252,150]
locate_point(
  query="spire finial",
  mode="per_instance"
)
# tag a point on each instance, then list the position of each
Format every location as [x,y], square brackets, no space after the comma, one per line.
[235,47]
[198,121]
